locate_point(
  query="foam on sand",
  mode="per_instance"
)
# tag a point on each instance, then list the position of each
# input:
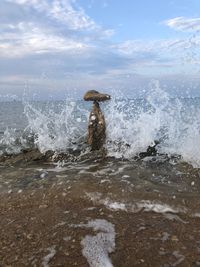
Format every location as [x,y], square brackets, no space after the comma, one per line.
[48,257]
[135,206]
[96,248]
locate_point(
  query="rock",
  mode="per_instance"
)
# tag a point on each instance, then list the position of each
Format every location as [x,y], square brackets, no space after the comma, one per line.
[151,151]
[97,125]
[93,95]
[96,128]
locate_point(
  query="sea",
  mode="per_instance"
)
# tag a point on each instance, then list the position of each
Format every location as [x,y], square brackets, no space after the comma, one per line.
[132,126]
[123,179]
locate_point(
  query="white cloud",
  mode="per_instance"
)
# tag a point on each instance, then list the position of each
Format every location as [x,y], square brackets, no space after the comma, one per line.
[167,47]
[62,11]
[143,48]
[48,26]
[184,24]
[22,2]
[156,57]
[70,44]
[26,39]
[75,19]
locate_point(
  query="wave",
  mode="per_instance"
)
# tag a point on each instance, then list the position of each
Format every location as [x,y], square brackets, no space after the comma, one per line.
[175,123]
[132,126]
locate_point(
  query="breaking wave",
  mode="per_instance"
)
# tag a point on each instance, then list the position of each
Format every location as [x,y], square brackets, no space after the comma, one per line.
[132,126]
[174,123]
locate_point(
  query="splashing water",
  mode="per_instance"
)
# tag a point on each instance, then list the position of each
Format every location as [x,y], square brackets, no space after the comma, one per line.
[56,128]
[132,125]
[8,142]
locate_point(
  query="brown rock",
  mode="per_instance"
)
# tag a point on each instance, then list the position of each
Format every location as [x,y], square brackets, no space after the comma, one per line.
[93,95]
[96,128]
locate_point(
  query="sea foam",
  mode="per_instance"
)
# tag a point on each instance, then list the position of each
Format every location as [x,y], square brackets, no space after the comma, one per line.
[132,126]
[96,248]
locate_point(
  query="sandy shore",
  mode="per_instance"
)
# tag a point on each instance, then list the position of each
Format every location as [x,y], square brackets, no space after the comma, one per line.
[117,213]
[45,227]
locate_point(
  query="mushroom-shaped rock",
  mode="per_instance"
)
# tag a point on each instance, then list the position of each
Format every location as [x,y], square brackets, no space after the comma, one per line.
[93,95]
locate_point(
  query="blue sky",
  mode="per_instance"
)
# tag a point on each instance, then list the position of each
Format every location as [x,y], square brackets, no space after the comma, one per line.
[52,47]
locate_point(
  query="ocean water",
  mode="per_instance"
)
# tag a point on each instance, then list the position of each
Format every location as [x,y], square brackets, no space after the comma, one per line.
[132,126]
[43,150]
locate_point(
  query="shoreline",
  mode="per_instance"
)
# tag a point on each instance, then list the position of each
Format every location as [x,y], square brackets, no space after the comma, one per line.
[35,222]
[139,213]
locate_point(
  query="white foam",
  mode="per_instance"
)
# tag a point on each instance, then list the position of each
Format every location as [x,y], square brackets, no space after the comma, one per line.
[55,128]
[132,125]
[197,215]
[96,248]
[176,123]
[179,258]
[59,224]
[135,206]
[48,257]
[43,175]
[156,207]
[115,205]
[8,142]
[174,217]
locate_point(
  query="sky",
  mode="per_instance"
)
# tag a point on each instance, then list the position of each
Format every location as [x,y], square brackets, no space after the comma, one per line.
[54,48]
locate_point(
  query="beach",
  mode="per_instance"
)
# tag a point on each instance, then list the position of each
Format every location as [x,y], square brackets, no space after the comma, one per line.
[99,133]
[48,211]
[135,202]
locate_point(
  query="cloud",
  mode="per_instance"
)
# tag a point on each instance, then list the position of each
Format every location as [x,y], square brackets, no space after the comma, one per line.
[27,38]
[153,58]
[55,44]
[66,12]
[159,46]
[184,24]
[161,52]
[147,56]
[46,26]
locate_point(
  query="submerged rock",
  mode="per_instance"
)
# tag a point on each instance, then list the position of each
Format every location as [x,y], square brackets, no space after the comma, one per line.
[26,156]
[93,95]
[151,150]
[31,156]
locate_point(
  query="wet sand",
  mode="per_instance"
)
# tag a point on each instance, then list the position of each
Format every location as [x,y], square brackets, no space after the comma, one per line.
[43,221]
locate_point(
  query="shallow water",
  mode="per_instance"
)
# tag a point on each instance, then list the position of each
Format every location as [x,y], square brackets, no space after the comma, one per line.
[168,179]
[106,211]
[49,179]
[132,125]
